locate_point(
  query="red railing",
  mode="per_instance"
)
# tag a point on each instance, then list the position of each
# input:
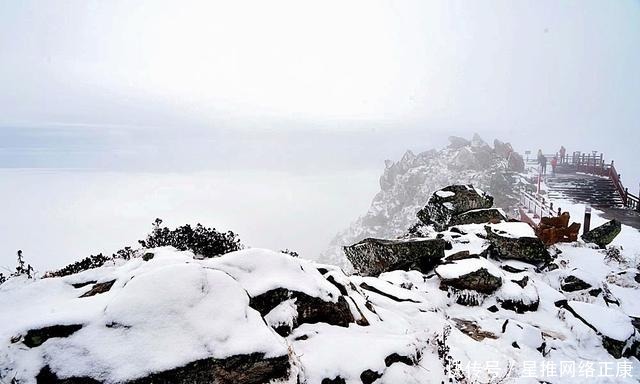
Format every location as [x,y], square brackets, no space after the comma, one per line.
[594,164]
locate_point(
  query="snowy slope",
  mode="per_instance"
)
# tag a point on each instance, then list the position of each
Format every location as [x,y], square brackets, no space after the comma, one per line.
[172,310]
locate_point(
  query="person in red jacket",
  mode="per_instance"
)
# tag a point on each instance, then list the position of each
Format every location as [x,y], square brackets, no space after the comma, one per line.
[554,164]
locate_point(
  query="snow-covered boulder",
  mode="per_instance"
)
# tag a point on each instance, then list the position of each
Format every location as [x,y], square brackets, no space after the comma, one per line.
[371,257]
[572,283]
[519,295]
[604,234]
[453,201]
[478,216]
[517,241]
[287,291]
[169,319]
[475,274]
[613,326]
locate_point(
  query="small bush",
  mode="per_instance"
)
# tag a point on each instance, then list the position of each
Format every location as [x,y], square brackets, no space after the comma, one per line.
[203,241]
[613,253]
[290,252]
[22,269]
[93,261]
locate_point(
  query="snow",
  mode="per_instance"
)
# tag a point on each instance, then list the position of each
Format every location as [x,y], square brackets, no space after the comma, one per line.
[275,270]
[513,229]
[512,291]
[608,321]
[329,351]
[283,314]
[159,315]
[463,267]
[174,309]
[444,194]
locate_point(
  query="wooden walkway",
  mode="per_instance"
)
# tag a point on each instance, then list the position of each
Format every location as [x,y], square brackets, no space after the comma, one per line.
[595,191]
[588,179]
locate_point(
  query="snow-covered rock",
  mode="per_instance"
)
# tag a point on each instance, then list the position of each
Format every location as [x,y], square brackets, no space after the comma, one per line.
[604,234]
[161,315]
[447,206]
[476,274]
[517,241]
[372,257]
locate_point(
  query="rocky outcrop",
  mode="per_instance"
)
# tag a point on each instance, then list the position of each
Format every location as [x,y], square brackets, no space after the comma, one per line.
[505,150]
[478,216]
[35,337]
[604,234]
[407,184]
[99,288]
[309,309]
[245,369]
[614,327]
[470,274]
[456,142]
[528,249]
[446,205]
[480,281]
[371,257]
[572,283]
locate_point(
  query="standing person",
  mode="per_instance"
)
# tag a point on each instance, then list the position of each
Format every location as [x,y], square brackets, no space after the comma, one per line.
[554,164]
[543,163]
[563,152]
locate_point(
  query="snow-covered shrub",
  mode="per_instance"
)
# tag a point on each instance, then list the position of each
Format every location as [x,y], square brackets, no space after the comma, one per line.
[613,254]
[451,366]
[93,261]
[203,241]
[290,252]
[22,269]
[200,240]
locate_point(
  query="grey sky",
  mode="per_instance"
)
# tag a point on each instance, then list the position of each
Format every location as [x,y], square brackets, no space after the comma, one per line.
[118,72]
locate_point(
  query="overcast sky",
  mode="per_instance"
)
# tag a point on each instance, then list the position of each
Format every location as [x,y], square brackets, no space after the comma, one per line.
[125,80]
[322,86]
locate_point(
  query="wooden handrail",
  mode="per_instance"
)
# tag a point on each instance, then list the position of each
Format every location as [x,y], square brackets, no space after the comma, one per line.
[593,164]
[536,204]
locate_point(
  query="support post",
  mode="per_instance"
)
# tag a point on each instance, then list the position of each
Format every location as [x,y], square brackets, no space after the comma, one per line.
[626,197]
[587,219]
[539,179]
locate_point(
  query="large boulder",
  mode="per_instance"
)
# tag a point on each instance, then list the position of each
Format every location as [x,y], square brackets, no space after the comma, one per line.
[285,310]
[171,319]
[478,275]
[452,201]
[287,291]
[478,216]
[613,326]
[246,369]
[573,283]
[516,241]
[518,295]
[371,257]
[604,234]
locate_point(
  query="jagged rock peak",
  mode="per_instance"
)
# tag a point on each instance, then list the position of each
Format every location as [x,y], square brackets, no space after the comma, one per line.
[407,184]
